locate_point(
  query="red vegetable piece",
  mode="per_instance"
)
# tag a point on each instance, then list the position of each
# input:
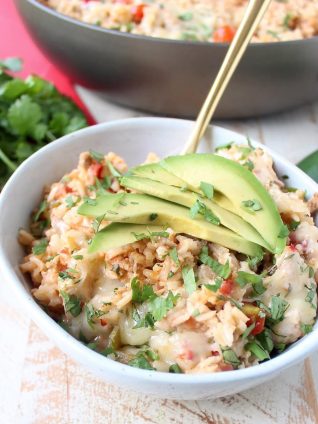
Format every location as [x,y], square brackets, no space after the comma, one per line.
[227,287]
[97,170]
[224,34]
[138,13]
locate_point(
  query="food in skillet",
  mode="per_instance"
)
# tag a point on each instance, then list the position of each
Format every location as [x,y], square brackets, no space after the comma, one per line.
[202,20]
[198,263]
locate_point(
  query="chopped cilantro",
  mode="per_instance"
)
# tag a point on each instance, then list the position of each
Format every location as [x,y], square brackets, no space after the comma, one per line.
[77,257]
[153,216]
[293,225]
[207,189]
[278,308]
[101,186]
[42,208]
[160,306]
[311,294]
[99,157]
[200,208]
[266,340]
[173,253]
[152,355]
[108,351]
[255,260]
[146,320]
[70,202]
[257,350]
[186,16]
[140,361]
[171,274]
[224,146]
[71,303]
[91,314]
[64,275]
[40,247]
[189,279]
[115,173]
[311,272]
[252,205]
[250,145]
[214,287]
[280,347]
[249,165]
[141,293]
[248,330]
[243,278]
[230,357]
[222,271]
[175,369]
[306,328]
[150,235]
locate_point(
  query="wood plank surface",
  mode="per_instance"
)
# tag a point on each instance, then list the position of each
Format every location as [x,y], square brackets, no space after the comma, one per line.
[40,384]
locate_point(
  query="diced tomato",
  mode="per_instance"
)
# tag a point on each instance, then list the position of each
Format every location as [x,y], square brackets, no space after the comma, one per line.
[97,169]
[215,353]
[224,34]
[227,287]
[292,247]
[259,326]
[252,312]
[226,367]
[68,189]
[103,322]
[138,13]
[187,355]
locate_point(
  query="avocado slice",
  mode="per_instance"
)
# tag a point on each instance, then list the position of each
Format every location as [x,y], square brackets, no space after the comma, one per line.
[188,199]
[239,185]
[148,210]
[117,235]
[155,172]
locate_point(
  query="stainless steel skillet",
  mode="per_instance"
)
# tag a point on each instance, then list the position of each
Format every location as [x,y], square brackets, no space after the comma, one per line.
[169,77]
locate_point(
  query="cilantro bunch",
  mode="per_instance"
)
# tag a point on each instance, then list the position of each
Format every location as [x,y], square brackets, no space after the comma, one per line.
[32,114]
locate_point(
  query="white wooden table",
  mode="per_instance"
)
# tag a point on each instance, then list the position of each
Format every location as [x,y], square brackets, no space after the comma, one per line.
[39,384]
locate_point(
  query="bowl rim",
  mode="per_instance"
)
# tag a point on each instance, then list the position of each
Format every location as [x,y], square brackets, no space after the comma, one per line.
[149,39]
[298,351]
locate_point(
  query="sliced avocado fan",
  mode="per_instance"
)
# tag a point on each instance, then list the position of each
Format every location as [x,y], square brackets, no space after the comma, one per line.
[148,210]
[250,199]
[189,199]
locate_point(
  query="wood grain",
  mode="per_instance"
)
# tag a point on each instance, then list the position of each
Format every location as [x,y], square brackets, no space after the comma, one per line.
[40,384]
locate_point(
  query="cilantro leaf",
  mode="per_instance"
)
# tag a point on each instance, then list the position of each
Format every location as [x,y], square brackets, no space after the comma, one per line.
[99,157]
[283,232]
[70,201]
[189,279]
[200,208]
[40,247]
[243,278]
[230,357]
[160,306]
[253,205]
[91,314]
[311,294]
[173,253]
[222,271]
[71,304]
[207,189]
[42,208]
[140,361]
[113,170]
[278,308]
[175,369]
[214,287]
[224,146]
[141,293]
[306,328]
[257,350]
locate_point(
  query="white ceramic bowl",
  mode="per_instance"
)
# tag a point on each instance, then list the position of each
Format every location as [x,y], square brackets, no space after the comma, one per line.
[132,139]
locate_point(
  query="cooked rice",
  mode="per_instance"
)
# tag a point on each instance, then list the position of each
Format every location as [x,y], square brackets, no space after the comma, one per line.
[199,20]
